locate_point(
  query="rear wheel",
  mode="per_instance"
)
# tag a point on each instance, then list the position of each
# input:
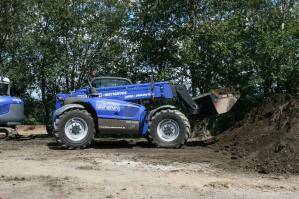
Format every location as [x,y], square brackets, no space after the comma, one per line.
[3,134]
[75,129]
[170,129]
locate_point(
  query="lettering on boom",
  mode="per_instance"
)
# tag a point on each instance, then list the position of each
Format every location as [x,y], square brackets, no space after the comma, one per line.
[113,94]
[138,95]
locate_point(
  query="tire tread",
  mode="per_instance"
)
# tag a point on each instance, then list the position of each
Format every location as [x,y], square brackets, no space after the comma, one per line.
[183,118]
[57,133]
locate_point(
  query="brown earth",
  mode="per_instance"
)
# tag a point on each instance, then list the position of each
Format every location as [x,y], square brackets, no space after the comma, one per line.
[267,141]
[112,168]
[31,129]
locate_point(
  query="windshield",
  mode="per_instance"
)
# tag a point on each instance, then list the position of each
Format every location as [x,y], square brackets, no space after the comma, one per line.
[3,89]
[101,83]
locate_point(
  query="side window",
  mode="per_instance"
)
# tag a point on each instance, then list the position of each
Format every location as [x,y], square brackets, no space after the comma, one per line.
[3,89]
[105,82]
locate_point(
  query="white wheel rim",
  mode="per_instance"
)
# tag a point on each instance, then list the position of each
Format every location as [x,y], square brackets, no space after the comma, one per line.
[76,129]
[168,130]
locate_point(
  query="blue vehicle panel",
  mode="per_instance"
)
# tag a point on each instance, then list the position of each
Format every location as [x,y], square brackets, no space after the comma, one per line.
[137,92]
[129,93]
[11,110]
[120,110]
[10,100]
[116,109]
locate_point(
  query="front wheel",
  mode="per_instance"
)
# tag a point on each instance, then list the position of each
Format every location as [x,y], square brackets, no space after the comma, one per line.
[74,129]
[170,129]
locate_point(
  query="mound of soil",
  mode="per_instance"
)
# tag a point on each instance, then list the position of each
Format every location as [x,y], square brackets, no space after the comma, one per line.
[267,141]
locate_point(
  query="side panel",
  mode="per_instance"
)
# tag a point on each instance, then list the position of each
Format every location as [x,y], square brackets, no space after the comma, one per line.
[118,116]
[11,111]
[117,126]
[116,109]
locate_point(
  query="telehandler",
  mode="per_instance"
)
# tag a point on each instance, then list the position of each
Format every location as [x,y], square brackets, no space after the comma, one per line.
[115,105]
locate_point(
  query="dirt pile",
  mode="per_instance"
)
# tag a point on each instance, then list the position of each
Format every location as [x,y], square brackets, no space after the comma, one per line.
[267,141]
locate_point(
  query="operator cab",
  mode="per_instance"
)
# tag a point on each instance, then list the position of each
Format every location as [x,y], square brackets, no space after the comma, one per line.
[4,86]
[105,82]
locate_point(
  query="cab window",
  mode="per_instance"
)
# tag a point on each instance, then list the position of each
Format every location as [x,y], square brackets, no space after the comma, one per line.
[3,89]
[105,82]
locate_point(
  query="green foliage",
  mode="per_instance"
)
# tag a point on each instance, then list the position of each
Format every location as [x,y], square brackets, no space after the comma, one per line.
[48,47]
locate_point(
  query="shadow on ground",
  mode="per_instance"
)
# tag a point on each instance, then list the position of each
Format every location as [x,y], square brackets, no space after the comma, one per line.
[125,144]
[25,137]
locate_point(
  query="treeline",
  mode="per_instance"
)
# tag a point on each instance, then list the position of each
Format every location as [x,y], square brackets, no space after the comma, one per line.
[48,47]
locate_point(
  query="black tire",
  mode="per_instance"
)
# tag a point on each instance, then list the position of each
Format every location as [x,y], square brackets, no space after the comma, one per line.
[149,139]
[183,126]
[63,139]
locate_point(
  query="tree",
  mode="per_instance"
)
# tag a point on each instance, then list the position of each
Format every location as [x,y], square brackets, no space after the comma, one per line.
[48,47]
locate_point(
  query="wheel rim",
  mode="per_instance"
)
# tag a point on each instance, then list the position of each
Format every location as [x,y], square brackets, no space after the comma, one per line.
[168,130]
[76,129]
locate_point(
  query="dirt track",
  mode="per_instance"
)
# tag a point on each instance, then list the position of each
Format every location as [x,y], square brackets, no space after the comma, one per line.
[129,169]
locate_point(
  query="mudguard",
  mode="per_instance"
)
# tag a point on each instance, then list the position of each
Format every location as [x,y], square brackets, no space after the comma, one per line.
[153,112]
[67,107]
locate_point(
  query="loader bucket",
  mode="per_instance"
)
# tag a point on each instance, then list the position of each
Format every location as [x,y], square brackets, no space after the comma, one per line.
[216,102]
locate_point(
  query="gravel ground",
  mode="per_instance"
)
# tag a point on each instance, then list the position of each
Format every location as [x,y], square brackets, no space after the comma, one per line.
[38,168]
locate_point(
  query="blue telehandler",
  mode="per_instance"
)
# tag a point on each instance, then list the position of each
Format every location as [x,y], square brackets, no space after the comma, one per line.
[112,105]
[11,110]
